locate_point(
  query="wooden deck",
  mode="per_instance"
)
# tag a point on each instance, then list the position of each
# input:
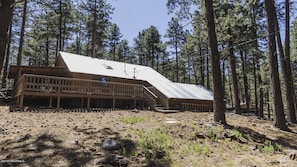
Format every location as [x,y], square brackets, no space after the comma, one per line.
[48,86]
[55,88]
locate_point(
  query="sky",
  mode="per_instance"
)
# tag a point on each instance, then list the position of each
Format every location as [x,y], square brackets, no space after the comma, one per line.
[133,16]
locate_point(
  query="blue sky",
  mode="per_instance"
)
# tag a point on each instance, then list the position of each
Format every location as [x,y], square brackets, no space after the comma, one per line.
[132,16]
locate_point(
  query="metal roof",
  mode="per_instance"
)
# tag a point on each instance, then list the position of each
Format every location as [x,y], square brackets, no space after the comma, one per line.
[88,65]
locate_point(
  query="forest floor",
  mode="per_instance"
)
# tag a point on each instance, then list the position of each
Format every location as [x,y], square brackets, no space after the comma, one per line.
[141,138]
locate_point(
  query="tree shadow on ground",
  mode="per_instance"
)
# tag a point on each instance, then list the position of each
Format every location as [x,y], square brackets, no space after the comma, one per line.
[84,148]
[252,135]
[259,138]
[284,141]
[43,150]
[124,151]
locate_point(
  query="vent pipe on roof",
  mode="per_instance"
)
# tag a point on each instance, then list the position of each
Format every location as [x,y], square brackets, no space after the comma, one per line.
[125,67]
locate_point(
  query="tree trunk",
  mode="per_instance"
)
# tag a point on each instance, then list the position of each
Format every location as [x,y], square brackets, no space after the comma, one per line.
[194,69]
[57,48]
[60,25]
[114,51]
[219,106]
[19,59]
[234,76]
[5,19]
[223,77]
[177,63]
[268,105]
[278,108]
[245,80]
[230,89]
[258,79]
[153,57]
[201,64]
[188,68]
[207,70]
[261,100]
[46,61]
[293,106]
[4,77]
[255,85]
[94,33]
[288,88]
[157,62]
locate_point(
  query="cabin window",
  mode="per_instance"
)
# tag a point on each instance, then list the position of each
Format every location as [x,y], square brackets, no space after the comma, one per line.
[107,66]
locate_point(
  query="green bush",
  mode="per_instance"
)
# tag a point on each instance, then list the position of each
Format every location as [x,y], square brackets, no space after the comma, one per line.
[154,143]
[270,148]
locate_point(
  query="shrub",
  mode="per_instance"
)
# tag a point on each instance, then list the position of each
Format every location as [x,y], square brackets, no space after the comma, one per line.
[270,148]
[154,143]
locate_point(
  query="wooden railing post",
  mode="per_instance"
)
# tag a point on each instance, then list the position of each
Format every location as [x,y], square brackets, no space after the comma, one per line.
[23,83]
[89,96]
[59,95]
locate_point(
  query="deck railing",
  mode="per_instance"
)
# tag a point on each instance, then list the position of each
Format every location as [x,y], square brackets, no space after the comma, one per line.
[195,107]
[53,86]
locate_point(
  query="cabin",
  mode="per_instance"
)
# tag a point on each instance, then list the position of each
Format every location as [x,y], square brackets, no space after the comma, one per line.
[86,82]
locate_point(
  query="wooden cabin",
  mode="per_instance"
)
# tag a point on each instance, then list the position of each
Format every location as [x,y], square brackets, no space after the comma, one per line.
[80,81]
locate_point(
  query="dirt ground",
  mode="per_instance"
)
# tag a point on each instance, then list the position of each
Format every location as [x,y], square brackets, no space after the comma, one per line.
[141,138]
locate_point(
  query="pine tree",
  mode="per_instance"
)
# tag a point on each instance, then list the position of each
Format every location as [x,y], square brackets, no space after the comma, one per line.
[176,36]
[98,18]
[24,17]
[152,41]
[139,48]
[218,103]
[113,39]
[289,77]
[279,116]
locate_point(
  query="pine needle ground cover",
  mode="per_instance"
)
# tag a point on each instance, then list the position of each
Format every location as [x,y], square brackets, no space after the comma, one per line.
[144,138]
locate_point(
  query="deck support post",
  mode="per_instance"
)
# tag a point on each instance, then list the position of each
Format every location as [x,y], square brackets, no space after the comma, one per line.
[18,101]
[21,102]
[58,102]
[50,102]
[113,103]
[88,103]
[82,103]
[134,102]
[167,104]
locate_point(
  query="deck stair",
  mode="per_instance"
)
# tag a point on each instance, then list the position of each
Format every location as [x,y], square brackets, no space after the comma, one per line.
[154,102]
[164,109]
[150,98]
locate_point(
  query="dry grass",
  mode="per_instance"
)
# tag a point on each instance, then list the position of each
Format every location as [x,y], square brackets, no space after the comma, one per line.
[145,139]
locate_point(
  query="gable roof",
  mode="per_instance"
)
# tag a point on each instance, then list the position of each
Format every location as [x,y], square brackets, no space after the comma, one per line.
[88,65]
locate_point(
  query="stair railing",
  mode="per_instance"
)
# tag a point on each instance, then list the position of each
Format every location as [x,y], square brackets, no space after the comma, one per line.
[150,98]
